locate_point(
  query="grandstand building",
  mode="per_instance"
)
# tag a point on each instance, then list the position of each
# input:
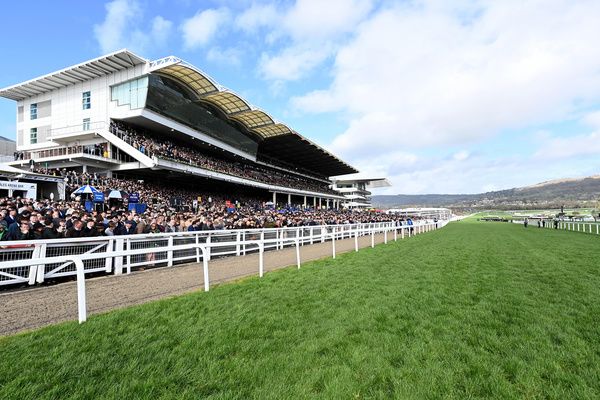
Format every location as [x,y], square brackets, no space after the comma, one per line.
[356,190]
[97,117]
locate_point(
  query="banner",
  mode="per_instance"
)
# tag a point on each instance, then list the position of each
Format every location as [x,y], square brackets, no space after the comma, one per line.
[138,208]
[99,197]
[134,198]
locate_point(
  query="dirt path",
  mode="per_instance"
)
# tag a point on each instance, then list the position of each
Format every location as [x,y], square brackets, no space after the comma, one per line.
[40,306]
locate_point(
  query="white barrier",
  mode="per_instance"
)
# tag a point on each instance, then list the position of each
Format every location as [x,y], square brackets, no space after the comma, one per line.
[118,254]
[337,231]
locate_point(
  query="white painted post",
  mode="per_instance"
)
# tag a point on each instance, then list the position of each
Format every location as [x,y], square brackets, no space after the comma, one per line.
[237,245]
[385,235]
[108,260]
[402,232]
[170,252]
[128,246]
[372,237]
[197,248]
[298,252]
[208,251]
[261,252]
[119,260]
[39,251]
[204,267]
[395,233]
[597,230]
[244,240]
[333,242]
[356,240]
[81,304]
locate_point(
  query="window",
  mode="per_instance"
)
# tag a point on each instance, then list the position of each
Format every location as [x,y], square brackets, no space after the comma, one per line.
[87,100]
[33,136]
[33,111]
[86,124]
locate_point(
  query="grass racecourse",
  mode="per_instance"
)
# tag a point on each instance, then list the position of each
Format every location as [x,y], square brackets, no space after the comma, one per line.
[475,310]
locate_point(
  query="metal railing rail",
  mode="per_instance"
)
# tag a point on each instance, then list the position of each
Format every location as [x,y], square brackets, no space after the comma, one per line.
[108,257]
[203,249]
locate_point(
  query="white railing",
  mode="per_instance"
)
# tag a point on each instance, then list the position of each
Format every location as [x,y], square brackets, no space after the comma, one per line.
[584,227]
[202,251]
[103,254]
[573,226]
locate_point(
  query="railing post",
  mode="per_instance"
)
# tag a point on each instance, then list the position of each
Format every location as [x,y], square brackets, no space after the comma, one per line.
[170,252]
[197,248]
[39,251]
[333,241]
[395,233]
[261,253]
[356,240]
[401,232]
[118,263]
[244,240]
[208,252]
[298,252]
[128,245]
[237,243]
[81,301]
[372,237]
[204,266]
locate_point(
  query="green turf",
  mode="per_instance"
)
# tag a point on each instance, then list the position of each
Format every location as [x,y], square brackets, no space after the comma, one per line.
[476,310]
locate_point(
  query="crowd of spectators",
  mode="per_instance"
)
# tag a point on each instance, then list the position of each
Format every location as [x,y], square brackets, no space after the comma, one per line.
[171,150]
[26,219]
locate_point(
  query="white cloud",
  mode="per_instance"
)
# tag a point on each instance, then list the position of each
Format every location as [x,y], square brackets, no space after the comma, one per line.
[231,56]
[461,155]
[257,16]
[200,29]
[161,29]
[293,63]
[426,74]
[110,34]
[121,28]
[592,119]
[317,19]
[309,30]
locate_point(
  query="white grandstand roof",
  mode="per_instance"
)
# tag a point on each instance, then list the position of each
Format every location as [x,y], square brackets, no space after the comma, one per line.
[357,178]
[107,64]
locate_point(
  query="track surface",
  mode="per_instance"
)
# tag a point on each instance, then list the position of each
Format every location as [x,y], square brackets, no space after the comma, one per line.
[41,306]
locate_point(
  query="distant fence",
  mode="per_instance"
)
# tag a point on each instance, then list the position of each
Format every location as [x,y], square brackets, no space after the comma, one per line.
[582,227]
[118,254]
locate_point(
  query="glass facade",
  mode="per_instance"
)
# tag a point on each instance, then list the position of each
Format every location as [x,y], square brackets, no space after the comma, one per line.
[33,111]
[86,100]
[171,99]
[132,93]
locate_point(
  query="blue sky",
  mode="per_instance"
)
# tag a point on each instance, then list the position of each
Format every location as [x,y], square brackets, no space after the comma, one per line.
[440,97]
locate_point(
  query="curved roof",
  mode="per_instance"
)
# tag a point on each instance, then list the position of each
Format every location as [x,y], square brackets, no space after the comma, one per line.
[254,120]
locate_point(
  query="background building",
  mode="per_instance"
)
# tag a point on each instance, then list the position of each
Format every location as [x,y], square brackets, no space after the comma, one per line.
[355,189]
[7,149]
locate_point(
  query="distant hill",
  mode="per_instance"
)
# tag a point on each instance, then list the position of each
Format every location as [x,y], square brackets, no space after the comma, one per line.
[575,192]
